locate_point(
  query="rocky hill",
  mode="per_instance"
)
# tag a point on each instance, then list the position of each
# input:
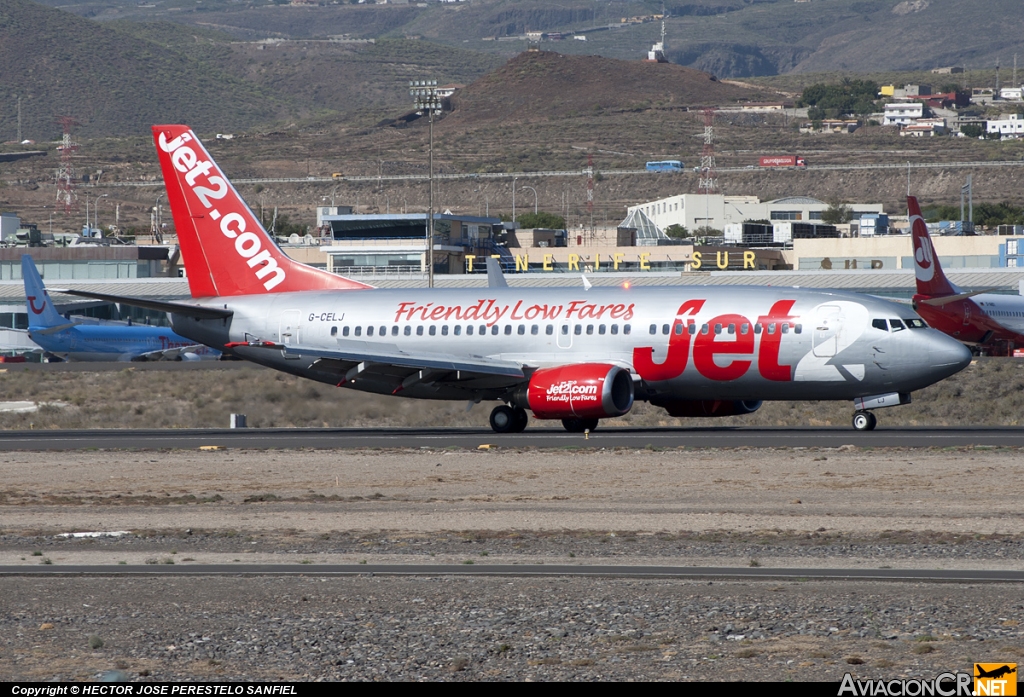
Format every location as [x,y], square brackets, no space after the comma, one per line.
[546,85]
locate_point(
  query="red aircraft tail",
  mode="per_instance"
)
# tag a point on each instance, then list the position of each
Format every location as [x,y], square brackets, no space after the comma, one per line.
[931,281]
[225,249]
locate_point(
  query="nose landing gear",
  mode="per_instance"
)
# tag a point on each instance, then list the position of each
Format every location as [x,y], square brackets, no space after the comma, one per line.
[864,420]
[506,419]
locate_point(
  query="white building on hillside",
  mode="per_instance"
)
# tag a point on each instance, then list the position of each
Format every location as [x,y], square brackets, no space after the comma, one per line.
[902,113]
[1012,125]
[694,211]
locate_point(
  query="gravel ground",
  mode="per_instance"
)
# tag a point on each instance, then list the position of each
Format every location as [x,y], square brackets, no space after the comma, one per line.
[791,508]
[499,629]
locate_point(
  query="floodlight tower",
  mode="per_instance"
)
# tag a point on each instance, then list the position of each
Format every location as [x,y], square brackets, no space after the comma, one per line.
[67,197]
[590,196]
[424,94]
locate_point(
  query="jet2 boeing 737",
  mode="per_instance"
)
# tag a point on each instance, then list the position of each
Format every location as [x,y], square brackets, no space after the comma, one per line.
[99,342]
[578,355]
[980,318]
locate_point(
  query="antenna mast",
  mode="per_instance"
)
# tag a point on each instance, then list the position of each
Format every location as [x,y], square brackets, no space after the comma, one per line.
[708,175]
[67,197]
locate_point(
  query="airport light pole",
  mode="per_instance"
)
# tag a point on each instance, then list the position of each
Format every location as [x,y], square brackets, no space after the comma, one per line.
[514,199]
[534,197]
[96,211]
[425,98]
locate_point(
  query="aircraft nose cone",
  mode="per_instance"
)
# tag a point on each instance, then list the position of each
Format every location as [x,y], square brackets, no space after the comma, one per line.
[948,354]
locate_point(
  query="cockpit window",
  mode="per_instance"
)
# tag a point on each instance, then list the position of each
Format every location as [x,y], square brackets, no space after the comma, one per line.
[880,324]
[897,325]
[916,323]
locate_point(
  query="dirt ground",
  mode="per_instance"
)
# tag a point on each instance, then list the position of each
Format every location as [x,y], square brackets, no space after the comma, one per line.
[844,495]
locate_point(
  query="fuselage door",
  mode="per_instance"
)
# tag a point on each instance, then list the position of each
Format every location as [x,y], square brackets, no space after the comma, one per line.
[290,330]
[827,325]
[564,338]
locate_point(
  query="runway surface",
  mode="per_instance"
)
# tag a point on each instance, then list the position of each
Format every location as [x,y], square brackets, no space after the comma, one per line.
[335,438]
[518,571]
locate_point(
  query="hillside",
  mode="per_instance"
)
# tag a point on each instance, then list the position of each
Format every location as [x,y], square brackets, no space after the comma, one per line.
[542,84]
[729,38]
[109,81]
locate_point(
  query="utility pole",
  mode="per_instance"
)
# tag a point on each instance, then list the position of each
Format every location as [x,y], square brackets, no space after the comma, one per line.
[19,112]
[424,94]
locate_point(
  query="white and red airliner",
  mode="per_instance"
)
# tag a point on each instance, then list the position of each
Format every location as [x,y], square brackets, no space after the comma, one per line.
[978,318]
[578,355]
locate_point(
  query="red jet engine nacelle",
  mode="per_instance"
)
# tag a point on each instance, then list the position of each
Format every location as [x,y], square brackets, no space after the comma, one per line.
[582,391]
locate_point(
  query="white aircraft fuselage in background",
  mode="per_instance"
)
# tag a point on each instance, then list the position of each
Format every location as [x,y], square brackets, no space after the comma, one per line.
[577,355]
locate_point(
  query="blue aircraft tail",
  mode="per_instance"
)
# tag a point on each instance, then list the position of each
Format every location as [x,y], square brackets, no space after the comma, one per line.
[41,312]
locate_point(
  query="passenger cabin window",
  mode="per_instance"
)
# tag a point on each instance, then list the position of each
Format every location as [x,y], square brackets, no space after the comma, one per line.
[419,330]
[578,329]
[334,331]
[626,328]
[654,329]
[549,330]
[615,329]
[359,331]
[394,330]
[433,330]
[457,330]
[521,329]
[444,330]
[508,329]
[344,331]
[369,331]
[469,330]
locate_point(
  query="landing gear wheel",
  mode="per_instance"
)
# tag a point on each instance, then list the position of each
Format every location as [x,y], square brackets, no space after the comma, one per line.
[864,421]
[503,419]
[579,425]
[519,419]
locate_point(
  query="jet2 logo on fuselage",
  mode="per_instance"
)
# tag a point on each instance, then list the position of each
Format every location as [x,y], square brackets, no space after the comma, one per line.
[706,346]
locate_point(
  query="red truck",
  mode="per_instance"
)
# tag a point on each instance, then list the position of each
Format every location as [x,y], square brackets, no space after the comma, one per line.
[783,161]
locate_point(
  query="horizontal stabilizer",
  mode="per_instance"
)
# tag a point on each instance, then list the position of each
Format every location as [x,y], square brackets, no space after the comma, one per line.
[54,330]
[159,305]
[946,299]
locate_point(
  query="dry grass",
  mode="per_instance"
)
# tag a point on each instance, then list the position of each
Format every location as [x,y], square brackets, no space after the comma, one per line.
[988,393]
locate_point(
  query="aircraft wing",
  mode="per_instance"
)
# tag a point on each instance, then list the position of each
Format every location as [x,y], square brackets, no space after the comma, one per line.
[357,359]
[172,354]
[200,311]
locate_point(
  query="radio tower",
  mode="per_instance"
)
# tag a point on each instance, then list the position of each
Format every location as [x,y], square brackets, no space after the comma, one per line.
[67,197]
[708,176]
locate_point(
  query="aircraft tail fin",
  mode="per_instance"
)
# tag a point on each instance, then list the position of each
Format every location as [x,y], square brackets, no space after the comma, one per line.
[41,312]
[930,278]
[225,249]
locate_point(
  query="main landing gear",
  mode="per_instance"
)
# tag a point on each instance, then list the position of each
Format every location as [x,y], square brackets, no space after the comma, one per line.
[506,419]
[864,420]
